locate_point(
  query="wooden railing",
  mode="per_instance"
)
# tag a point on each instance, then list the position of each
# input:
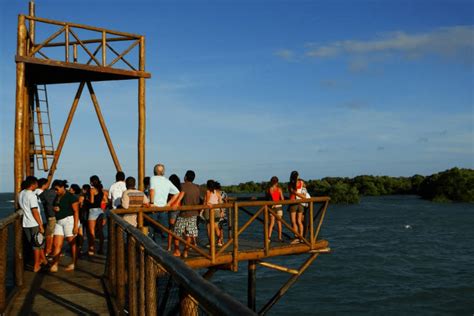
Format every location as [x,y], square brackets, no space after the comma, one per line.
[12,223]
[73,41]
[141,276]
[214,256]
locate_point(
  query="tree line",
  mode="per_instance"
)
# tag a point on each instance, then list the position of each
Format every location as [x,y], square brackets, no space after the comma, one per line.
[455,184]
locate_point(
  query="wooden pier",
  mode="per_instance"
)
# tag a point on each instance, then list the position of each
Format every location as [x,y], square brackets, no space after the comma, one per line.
[137,276]
[81,292]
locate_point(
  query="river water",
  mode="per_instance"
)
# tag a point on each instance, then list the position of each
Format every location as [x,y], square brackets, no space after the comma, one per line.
[390,255]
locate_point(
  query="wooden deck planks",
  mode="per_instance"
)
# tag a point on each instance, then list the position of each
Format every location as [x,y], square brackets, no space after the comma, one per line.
[64,293]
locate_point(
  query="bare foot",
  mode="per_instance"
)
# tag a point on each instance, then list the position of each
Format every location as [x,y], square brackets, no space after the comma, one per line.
[185,254]
[70,267]
[176,253]
[36,269]
[54,268]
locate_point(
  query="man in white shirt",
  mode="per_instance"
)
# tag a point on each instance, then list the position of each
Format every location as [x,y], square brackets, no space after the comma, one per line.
[117,189]
[32,223]
[160,188]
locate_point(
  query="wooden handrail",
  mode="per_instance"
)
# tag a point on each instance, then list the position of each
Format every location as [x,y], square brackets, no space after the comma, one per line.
[264,207]
[67,28]
[14,220]
[208,296]
[81,26]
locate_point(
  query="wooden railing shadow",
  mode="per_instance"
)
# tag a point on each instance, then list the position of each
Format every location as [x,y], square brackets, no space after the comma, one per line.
[137,266]
[12,221]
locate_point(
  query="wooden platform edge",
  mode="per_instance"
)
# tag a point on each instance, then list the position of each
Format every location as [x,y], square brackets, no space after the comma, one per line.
[227,257]
[98,69]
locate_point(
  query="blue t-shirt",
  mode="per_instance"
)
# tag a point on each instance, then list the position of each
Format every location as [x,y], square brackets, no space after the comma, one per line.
[162,187]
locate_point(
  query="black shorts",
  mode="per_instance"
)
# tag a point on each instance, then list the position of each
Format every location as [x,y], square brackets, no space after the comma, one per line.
[30,233]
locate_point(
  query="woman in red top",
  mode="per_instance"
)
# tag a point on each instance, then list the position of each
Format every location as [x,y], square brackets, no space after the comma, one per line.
[276,194]
[296,210]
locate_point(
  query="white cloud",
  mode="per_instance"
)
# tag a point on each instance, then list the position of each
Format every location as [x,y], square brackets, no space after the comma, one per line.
[445,41]
[285,54]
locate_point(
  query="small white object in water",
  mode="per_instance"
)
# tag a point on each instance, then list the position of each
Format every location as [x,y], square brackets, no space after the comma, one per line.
[407,226]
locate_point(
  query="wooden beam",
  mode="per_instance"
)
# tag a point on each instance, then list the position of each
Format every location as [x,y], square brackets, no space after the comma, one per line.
[141,117]
[19,107]
[104,127]
[81,26]
[59,149]
[125,52]
[287,285]
[277,267]
[256,254]
[49,39]
[123,59]
[92,41]
[54,63]
[84,47]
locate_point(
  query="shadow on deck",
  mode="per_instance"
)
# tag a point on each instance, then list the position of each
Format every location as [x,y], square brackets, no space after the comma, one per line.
[64,293]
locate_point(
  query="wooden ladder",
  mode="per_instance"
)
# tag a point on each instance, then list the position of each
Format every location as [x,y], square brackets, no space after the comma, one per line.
[44,147]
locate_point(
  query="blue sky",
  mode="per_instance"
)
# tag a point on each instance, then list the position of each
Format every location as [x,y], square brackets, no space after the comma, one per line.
[244,90]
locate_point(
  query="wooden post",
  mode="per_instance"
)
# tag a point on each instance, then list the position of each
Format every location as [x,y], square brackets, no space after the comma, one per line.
[120,244]
[141,282]
[57,153]
[251,285]
[104,48]
[31,12]
[188,306]
[3,268]
[140,221]
[28,124]
[19,261]
[104,127]
[20,108]
[150,286]
[132,276]
[212,235]
[74,52]
[266,241]
[111,255]
[141,118]
[311,224]
[66,41]
[235,234]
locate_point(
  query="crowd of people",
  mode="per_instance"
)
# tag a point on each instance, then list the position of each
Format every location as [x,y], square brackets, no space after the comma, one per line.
[52,214]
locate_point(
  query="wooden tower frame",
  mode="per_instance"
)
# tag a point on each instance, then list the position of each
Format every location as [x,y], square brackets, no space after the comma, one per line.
[34,67]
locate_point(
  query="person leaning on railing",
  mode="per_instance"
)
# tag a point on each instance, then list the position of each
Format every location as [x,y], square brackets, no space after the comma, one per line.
[133,198]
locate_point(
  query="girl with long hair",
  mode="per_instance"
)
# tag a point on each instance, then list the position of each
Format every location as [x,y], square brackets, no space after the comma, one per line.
[96,219]
[275,193]
[296,210]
